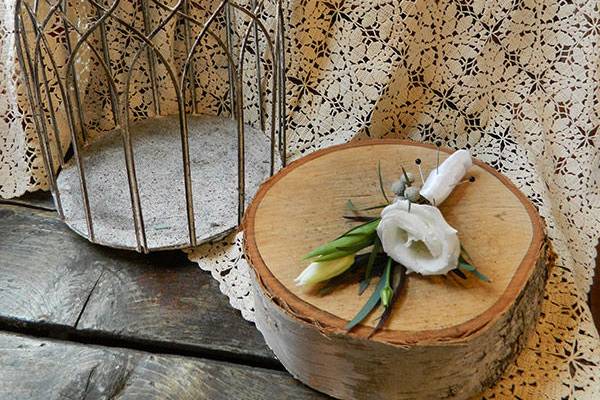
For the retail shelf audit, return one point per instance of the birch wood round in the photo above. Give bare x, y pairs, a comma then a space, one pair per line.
447, 337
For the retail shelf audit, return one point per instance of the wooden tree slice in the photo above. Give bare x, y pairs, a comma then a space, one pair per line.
446, 337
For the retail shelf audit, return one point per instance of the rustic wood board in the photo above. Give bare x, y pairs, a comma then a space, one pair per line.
47, 271
39, 199
52, 276
166, 298
33, 368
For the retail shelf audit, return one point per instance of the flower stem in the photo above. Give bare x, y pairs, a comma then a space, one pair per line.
369, 270
381, 183
406, 178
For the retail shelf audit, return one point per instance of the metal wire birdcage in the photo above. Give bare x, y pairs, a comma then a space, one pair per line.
155, 128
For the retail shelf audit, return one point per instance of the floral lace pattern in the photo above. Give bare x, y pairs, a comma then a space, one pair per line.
21, 169
516, 81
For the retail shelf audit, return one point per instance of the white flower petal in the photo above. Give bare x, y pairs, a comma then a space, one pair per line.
321, 271
421, 239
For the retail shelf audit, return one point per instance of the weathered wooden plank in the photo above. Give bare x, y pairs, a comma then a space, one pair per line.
32, 369
51, 275
164, 297
47, 272
40, 199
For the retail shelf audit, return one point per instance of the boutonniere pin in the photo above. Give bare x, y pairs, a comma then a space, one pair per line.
410, 236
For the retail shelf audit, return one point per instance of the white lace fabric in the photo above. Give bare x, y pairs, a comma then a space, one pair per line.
21, 169
517, 82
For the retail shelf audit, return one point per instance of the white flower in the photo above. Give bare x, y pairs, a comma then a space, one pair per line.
321, 271
442, 180
419, 239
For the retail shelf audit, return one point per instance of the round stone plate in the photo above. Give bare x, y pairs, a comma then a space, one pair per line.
159, 168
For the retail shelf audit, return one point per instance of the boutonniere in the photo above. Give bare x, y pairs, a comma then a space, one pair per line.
410, 236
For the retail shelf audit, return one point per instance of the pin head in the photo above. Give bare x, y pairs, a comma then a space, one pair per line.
418, 161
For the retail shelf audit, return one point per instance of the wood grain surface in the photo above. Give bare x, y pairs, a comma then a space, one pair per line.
51, 276
48, 273
33, 368
302, 207
445, 338
37, 200
165, 298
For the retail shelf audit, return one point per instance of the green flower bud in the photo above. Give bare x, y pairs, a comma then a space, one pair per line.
352, 241
321, 271
386, 296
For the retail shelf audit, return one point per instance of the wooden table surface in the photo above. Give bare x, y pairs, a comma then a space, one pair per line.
80, 321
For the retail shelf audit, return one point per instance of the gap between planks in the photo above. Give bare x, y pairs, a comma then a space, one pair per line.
76, 335
71, 334
39, 200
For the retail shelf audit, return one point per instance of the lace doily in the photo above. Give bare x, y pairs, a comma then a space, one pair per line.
515, 81
21, 168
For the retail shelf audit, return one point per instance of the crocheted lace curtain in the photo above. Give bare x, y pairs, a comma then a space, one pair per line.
517, 82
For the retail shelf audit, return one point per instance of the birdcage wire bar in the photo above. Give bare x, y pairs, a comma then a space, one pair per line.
53, 89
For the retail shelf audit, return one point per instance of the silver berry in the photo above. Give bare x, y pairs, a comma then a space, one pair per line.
398, 188
411, 178
412, 193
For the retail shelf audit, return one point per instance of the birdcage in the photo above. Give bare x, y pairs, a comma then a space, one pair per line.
158, 119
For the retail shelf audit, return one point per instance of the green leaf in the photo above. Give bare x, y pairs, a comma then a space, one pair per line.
464, 253
378, 270
358, 245
481, 276
470, 268
367, 307
381, 182
368, 241
354, 240
332, 256
458, 273
359, 218
464, 262
340, 252
352, 207
364, 284
367, 228
348, 240
466, 266
329, 248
